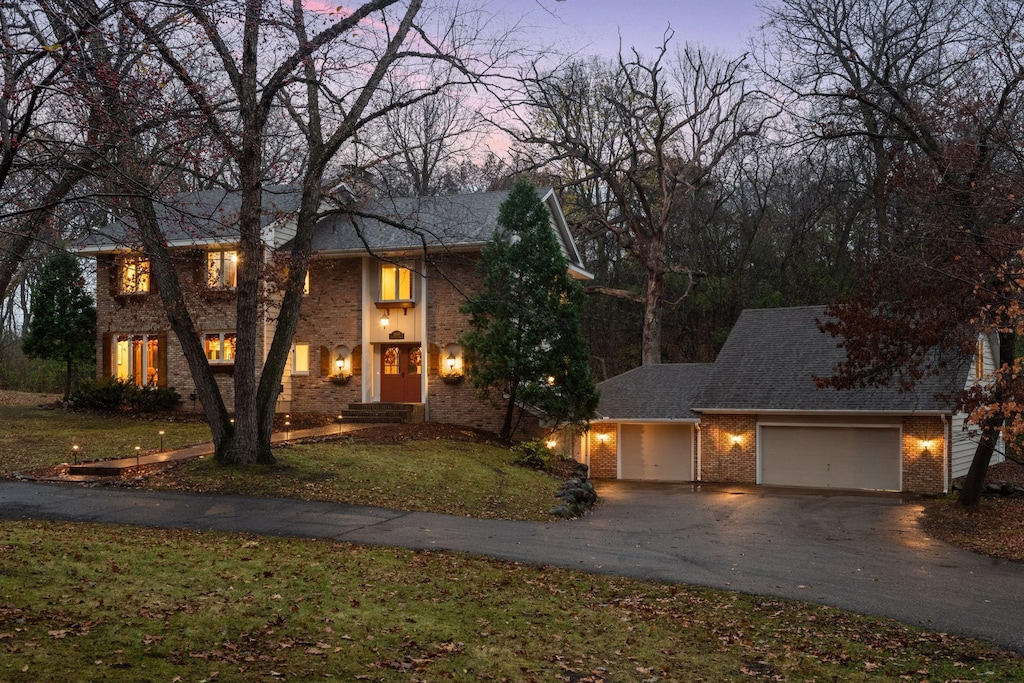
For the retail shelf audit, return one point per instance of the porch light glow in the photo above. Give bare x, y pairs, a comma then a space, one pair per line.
602, 437
736, 439
340, 364
551, 443
451, 361
384, 320
927, 444
551, 380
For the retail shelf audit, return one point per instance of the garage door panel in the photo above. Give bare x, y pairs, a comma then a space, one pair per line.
831, 457
656, 452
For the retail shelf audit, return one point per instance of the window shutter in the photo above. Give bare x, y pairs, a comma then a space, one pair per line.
161, 359
107, 369
325, 362
112, 265
433, 360
357, 360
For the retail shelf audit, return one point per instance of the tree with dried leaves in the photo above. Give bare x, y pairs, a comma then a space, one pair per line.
932, 90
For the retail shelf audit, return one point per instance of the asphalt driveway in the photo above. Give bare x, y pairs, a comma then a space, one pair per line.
861, 552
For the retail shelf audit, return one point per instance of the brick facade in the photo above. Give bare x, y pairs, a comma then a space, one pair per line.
331, 319
604, 447
144, 314
728, 448
924, 449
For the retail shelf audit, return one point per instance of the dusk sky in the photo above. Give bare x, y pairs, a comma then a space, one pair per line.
595, 25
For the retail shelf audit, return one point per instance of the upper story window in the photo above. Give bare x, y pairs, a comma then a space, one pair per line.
222, 269
220, 347
395, 283
133, 277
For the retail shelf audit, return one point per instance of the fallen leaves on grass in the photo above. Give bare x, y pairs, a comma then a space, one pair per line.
995, 527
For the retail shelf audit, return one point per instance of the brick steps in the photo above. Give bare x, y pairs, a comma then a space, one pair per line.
386, 413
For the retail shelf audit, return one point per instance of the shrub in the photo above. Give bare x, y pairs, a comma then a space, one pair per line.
534, 455
113, 395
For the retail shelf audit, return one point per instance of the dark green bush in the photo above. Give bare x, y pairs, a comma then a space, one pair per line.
534, 455
113, 395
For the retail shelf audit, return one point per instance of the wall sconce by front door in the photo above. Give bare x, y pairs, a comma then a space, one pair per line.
451, 369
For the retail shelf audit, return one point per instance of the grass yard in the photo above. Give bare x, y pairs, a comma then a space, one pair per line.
89, 602
33, 437
451, 477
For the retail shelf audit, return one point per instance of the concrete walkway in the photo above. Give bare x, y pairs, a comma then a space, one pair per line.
863, 553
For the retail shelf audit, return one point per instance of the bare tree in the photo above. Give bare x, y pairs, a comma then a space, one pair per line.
634, 139
327, 72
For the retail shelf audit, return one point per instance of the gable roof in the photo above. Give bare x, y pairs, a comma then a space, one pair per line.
770, 359
207, 217
455, 221
415, 223
653, 392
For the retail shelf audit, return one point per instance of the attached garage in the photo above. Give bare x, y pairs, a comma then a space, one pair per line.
841, 457
656, 452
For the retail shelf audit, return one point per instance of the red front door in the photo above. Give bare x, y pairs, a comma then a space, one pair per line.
401, 370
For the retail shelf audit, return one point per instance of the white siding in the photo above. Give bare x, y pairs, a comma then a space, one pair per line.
964, 442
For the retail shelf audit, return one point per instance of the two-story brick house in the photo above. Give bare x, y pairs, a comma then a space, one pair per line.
380, 321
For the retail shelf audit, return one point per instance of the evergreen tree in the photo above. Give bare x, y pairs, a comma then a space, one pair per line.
62, 320
526, 341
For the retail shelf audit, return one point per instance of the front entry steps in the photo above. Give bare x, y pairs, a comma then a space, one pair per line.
388, 413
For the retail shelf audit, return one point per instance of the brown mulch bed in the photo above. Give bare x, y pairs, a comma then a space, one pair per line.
994, 528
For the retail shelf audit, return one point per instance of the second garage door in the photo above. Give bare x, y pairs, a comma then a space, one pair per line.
656, 452
831, 457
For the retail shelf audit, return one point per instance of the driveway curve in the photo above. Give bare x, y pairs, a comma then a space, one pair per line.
860, 552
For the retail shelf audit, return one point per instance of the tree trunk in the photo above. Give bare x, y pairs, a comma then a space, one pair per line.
970, 494
651, 340
67, 380
510, 409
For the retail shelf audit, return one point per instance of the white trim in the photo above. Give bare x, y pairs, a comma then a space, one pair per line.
811, 413
618, 451
947, 453
697, 475
645, 420
424, 346
759, 478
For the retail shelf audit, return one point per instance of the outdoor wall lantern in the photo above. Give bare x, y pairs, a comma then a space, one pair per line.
927, 444
342, 366
385, 319
736, 439
451, 371
602, 437
551, 443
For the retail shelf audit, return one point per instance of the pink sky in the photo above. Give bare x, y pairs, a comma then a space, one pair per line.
721, 24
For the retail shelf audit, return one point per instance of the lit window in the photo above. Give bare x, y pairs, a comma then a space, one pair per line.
305, 284
220, 347
137, 358
222, 269
134, 275
395, 283
300, 359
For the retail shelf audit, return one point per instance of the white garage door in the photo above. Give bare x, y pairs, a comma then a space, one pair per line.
831, 457
656, 452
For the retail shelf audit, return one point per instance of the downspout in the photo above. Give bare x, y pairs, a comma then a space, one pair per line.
698, 473
946, 429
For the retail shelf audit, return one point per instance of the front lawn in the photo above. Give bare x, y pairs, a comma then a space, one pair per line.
33, 437
88, 602
468, 478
